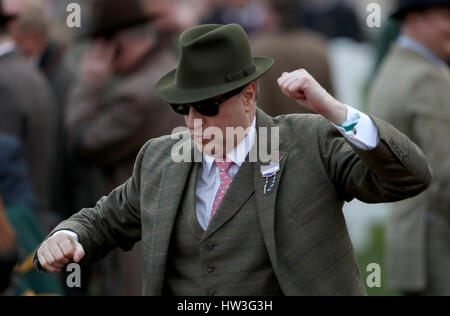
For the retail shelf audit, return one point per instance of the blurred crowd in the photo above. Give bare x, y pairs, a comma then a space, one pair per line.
77, 104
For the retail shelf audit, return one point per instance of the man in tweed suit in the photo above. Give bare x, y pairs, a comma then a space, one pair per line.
412, 92
217, 227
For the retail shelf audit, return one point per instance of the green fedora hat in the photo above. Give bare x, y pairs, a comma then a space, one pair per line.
214, 59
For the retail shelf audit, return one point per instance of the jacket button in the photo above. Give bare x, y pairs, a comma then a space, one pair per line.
211, 269
210, 247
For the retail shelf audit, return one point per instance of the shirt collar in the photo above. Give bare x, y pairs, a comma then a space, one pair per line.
238, 154
409, 43
7, 48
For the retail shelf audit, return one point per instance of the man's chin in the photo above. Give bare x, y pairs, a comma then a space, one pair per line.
208, 148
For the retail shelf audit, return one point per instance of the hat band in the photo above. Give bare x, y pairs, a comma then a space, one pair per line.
220, 80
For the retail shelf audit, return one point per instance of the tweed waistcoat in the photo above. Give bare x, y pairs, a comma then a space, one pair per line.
231, 261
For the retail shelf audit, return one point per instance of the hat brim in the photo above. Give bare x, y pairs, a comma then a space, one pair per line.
167, 90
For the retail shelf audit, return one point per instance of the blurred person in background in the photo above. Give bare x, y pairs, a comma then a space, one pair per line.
331, 18
112, 112
28, 111
31, 32
412, 91
175, 16
291, 48
250, 14
17, 217
383, 42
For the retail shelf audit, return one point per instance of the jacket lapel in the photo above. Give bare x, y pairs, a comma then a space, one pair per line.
248, 183
242, 186
173, 183
266, 202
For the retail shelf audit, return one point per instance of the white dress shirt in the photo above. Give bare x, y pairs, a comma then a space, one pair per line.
7, 48
208, 181
363, 134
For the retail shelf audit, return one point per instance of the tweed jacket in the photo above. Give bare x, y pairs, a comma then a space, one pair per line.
413, 94
301, 218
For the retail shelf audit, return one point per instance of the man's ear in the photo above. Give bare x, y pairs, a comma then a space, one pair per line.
249, 95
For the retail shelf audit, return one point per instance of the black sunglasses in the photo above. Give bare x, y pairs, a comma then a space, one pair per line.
209, 107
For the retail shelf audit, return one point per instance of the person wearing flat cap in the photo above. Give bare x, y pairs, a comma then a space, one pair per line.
412, 92
228, 220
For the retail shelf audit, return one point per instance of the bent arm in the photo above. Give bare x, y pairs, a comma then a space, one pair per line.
394, 170
114, 222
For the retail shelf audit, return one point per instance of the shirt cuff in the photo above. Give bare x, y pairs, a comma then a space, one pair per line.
68, 232
359, 129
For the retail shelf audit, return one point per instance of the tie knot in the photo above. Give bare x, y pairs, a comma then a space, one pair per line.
223, 166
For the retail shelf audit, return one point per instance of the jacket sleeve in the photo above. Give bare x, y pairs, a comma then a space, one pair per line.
114, 222
394, 170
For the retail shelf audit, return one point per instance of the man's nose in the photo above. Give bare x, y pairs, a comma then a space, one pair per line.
190, 119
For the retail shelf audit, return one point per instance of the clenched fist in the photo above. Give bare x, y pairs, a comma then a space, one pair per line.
302, 87
59, 250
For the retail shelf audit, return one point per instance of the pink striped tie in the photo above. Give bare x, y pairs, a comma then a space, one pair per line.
225, 182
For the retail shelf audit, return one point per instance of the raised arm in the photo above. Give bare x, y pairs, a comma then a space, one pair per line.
387, 169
